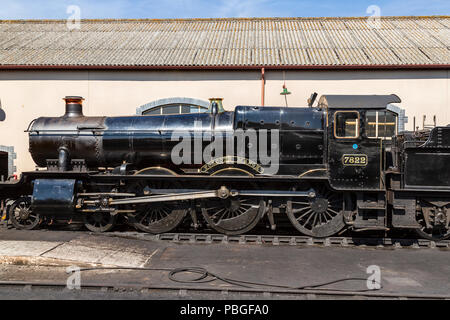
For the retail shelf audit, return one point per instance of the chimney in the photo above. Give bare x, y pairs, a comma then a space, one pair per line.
74, 107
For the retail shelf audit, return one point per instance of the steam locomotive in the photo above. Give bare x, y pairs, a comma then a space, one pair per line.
340, 165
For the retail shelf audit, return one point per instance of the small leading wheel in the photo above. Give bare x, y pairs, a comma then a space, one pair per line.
437, 227
99, 221
22, 216
321, 216
233, 215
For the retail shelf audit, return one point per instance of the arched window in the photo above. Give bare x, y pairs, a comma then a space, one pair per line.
179, 108
173, 106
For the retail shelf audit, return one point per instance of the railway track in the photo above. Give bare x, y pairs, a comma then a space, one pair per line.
276, 240
184, 236
218, 293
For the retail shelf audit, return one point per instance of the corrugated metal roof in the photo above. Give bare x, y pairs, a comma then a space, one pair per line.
397, 41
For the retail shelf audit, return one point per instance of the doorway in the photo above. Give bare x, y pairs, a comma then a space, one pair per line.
4, 172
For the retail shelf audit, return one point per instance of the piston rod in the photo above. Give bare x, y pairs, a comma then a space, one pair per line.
220, 193
167, 197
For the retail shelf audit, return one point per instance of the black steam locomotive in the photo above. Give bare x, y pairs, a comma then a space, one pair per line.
338, 166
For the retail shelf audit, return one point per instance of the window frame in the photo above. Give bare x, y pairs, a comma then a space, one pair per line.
180, 108
377, 123
358, 126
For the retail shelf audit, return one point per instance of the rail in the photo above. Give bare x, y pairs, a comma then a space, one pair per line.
276, 240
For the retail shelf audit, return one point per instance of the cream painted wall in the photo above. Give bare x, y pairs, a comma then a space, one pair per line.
26, 95
422, 92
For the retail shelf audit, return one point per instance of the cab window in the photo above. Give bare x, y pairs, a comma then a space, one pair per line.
346, 124
381, 124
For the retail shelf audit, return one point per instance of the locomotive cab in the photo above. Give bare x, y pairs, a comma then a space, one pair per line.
356, 148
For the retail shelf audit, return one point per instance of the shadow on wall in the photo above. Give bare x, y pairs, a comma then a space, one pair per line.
221, 75
2, 112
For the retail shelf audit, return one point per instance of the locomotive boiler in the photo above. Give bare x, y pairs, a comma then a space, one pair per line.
340, 165
144, 141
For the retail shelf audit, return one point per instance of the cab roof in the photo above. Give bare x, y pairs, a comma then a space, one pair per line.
357, 101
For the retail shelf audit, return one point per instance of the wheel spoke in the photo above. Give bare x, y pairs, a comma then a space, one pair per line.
242, 211
326, 213
158, 214
300, 210
309, 218
166, 211
307, 212
145, 216
223, 215
218, 212
329, 209
316, 215
320, 219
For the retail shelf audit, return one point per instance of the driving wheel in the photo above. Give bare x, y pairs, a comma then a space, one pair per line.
234, 215
156, 217
320, 216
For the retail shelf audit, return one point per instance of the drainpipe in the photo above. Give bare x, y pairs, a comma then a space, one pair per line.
263, 84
